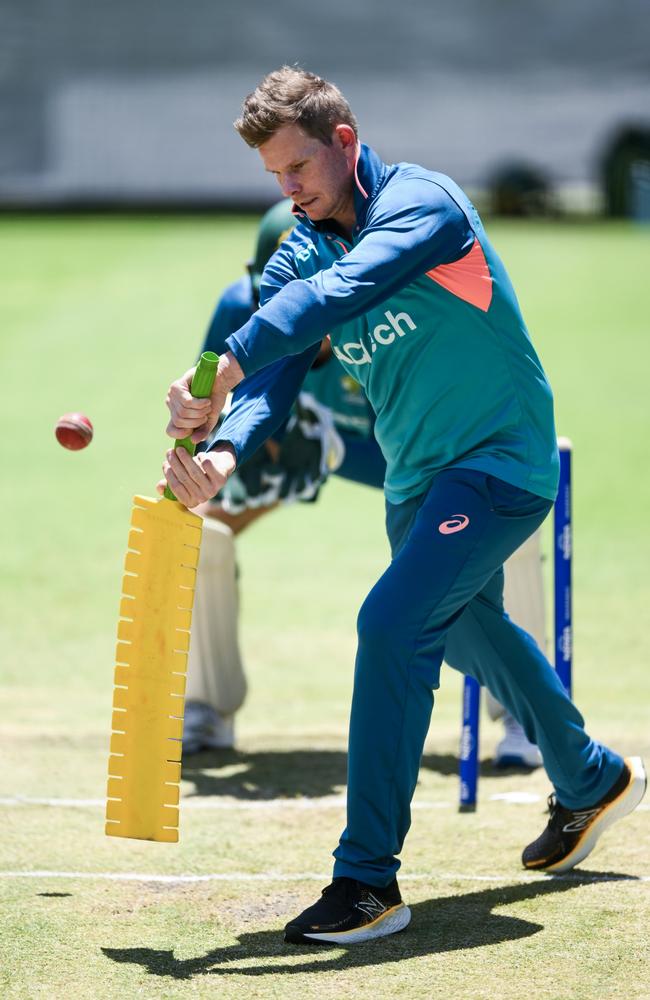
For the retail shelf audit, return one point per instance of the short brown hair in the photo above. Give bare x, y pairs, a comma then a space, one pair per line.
292, 96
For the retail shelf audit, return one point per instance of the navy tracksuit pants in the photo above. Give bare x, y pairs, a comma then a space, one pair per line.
442, 596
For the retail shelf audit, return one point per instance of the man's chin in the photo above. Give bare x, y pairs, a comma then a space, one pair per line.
313, 212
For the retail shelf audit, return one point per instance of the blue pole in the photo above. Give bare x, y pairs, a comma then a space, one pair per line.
562, 569
469, 745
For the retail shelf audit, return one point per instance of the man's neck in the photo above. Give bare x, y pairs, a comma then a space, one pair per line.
343, 221
346, 218
340, 228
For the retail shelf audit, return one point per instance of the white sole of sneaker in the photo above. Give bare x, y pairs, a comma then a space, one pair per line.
394, 920
626, 802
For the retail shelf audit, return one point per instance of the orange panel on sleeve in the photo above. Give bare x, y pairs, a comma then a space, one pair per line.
469, 278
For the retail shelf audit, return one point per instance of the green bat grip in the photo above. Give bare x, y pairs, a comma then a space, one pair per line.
201, 387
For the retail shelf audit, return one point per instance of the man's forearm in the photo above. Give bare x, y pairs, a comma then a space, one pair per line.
229, 370
262, 403
225, 447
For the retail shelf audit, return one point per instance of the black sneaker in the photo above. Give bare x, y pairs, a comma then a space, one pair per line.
348, 912
572, 834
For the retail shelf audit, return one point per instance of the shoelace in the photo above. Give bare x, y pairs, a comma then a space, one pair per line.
555, 811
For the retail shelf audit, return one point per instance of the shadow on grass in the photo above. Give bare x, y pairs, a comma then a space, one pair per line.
279, 773
448, 923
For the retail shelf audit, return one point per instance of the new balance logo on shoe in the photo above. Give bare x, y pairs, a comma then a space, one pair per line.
371, 906
580, 820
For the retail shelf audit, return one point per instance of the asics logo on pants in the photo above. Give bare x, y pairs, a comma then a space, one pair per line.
455, 523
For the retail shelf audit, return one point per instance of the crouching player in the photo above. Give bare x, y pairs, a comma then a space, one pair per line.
330, 430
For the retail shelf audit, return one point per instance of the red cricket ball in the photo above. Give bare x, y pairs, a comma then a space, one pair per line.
74, 431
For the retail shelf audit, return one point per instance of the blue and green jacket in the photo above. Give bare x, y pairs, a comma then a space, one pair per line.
421, 312
331, 386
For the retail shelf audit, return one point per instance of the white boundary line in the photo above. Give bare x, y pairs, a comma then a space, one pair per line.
273, 876
215, 802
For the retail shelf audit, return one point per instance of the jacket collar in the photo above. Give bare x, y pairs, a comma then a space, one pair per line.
369, 174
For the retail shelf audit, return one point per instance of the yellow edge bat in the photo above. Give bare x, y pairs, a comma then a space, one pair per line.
151, 659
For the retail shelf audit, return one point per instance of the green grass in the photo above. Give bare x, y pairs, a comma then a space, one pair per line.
98, 315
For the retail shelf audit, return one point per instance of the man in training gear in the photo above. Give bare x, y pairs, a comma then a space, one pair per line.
393, 262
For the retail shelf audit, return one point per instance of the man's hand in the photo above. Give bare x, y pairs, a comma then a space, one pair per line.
195, 418
195, 480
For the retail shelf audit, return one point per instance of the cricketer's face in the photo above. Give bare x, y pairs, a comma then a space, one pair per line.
319, 178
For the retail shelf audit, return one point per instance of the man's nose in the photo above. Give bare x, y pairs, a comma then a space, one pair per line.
290, 186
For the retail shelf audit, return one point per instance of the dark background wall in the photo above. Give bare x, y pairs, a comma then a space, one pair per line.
134, 99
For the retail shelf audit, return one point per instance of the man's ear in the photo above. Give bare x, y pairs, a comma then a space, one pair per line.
346, 139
